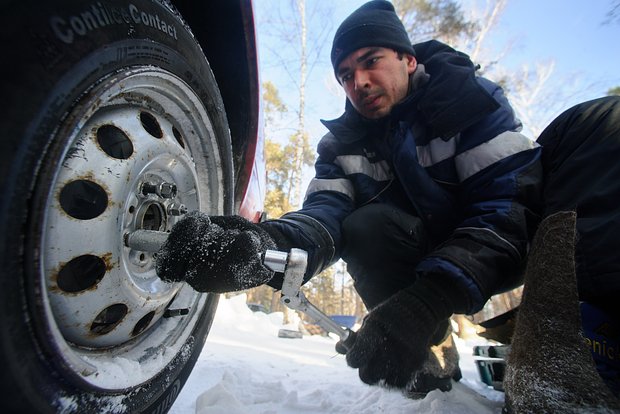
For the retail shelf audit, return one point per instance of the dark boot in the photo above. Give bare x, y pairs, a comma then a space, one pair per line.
437, 373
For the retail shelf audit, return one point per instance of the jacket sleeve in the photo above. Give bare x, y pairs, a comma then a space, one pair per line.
500, 177
316, 227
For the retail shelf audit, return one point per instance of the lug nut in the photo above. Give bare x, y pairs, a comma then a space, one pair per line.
177, 209
163, 190
167, 190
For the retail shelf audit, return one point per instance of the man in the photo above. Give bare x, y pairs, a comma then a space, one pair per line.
424, 186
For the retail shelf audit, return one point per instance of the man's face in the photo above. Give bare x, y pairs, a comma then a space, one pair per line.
375, 79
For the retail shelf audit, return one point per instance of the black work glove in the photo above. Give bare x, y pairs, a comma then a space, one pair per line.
395, 337
215, 254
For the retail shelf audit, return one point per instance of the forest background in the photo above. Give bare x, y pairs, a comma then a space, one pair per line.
548, 56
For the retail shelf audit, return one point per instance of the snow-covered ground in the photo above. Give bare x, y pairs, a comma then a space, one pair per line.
245, 368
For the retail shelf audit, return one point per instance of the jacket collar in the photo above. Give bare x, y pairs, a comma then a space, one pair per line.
351, 126
444, 92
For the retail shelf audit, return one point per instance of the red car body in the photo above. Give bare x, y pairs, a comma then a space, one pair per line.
234, 60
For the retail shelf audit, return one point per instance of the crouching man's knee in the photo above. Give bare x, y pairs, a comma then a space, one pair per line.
377, 234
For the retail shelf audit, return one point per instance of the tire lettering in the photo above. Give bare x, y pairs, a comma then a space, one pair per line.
135, 14
60, 30
101, 14
89, 19
125, 16
78, 25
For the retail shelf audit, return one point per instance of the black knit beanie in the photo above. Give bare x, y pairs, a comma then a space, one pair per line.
373, 24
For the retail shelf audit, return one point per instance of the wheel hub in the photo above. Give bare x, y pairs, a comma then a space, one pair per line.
122, 176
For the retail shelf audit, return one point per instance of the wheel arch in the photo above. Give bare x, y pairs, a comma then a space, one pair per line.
225, 31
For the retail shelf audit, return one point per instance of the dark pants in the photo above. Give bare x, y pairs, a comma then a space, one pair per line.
382, 246
581, 162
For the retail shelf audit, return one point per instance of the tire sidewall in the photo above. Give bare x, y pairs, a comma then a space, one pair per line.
47, 76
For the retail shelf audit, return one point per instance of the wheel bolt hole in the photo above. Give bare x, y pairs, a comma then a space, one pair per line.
114, 142
143, 323
142, 257
132, 209
108, 319
178, 137
151, 125
83, 199
81, 273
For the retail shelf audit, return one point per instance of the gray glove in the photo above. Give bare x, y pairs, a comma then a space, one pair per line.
215, 254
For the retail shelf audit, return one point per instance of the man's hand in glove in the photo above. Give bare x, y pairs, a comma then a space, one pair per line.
215, 254
395, 337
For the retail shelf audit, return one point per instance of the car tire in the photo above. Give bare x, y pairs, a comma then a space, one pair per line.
113, 122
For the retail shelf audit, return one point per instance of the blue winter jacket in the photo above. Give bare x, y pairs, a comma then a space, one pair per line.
452, 154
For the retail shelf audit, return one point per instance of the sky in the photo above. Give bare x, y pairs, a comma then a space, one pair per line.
250, 370
570, 32
586, 52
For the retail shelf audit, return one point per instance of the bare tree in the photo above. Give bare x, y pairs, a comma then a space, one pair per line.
528, 90
301, 135
297, 54
613, 15
438, 19
484, 20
